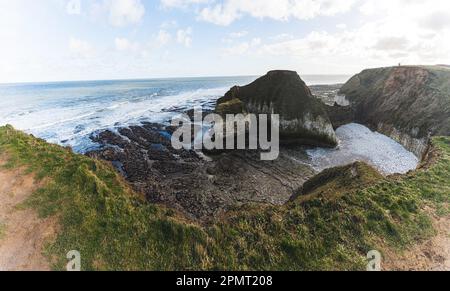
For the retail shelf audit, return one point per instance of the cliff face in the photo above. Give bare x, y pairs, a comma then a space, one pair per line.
409, 104
303, 118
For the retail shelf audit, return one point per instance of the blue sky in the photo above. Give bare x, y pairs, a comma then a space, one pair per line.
53, 40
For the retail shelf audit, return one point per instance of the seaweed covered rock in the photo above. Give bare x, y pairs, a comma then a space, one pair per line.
234, 106
303, 117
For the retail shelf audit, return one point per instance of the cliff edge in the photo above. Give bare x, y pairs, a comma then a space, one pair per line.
408, 103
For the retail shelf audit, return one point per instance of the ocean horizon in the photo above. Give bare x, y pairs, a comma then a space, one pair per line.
310, 79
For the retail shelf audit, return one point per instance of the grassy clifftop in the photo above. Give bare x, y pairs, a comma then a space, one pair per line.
114, 229
378, 95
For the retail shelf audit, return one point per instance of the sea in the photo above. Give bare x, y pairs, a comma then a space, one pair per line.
68, 113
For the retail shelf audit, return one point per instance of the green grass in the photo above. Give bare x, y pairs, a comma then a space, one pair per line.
114, 229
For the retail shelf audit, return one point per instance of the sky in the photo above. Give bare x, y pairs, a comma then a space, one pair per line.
57, 40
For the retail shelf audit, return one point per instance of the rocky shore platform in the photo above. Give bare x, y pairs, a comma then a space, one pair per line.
202, 187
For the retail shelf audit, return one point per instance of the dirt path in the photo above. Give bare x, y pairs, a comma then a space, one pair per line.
22, 233
431, 255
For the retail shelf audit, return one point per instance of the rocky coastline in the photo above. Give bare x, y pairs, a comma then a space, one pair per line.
410, 104
203, 185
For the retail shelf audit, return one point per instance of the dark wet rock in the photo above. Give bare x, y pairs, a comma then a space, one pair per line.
201, 188
110, 138
326, 93
303, 117
340, 115
148, 135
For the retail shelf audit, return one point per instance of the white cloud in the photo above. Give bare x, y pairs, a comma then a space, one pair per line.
417, 30
282, 37
169, 24
119, 13
230, 10
438, 20
406, 31
234, 36
123, 12
393, 43
315, 43
123, 44
377, 33
80, 48
181, 3
238, 34
163, 38
239, 49
219, 14
184, 36
243, 47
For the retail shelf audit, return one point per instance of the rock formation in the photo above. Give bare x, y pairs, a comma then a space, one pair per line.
409, 104
303, 118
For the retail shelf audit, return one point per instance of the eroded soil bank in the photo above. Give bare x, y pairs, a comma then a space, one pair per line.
430, 255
